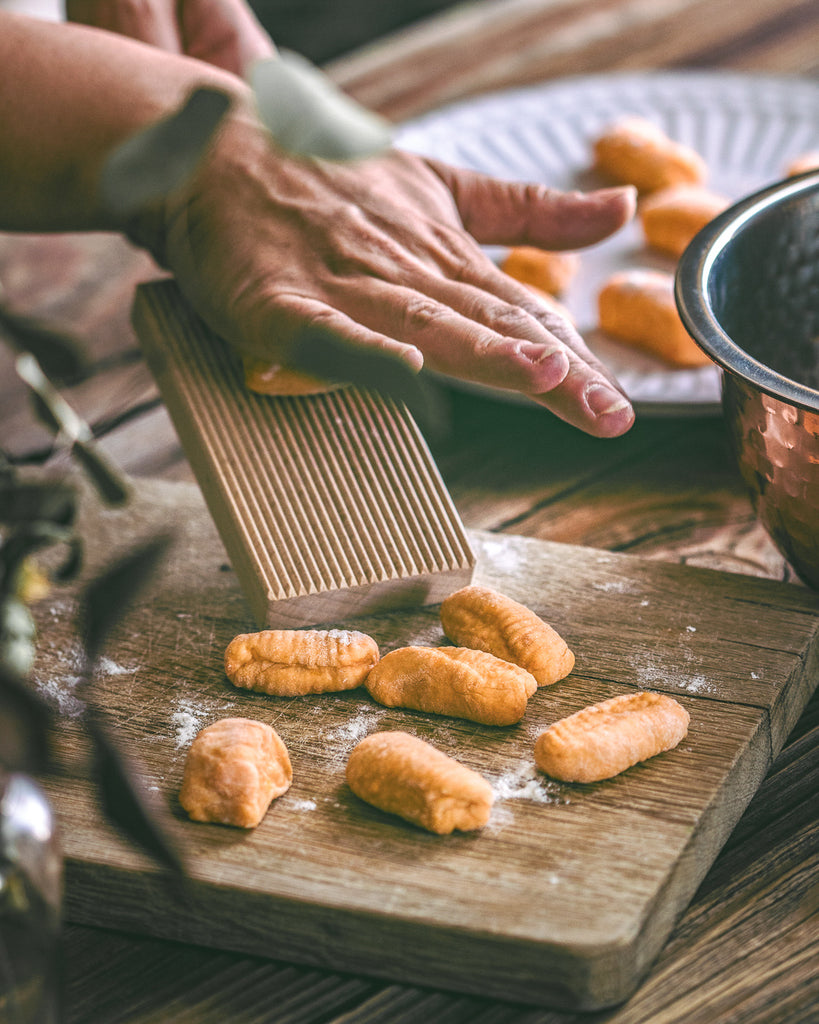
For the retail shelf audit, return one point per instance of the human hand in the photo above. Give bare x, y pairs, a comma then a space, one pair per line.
385, 253
224, 33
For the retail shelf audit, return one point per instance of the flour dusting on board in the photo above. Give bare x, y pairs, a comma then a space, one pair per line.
59, 693
345, 736
187, 721
57, 685
617, 587
303, 805
527, 783
684, 674
503, 553
107, 667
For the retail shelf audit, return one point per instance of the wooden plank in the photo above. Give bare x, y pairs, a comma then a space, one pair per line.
565, 898
326, 503
500, 44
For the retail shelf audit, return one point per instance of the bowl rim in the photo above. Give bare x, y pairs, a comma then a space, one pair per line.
696, 311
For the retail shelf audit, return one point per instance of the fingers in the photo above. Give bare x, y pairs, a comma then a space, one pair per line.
285, 317
514, 349
510, 341
512, 213
588, 396
590, 403
535, 351
485, 341
153, 22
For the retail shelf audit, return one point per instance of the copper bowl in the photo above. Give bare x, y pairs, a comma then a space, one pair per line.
748, 292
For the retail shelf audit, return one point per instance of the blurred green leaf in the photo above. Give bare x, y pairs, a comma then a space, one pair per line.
110, 483
126, 803
58, 353
24, 501
59, 417
52, 408
151, 164
24, 541
17, 632
308, 115
72, 563
25, 720
106, 598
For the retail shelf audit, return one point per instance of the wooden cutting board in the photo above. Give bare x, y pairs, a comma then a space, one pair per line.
567, 895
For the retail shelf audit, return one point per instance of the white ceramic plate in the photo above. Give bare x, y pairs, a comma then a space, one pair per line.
747, 128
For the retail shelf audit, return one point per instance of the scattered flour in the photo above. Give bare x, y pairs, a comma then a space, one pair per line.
650, 673
58, 687
59, 693
187, 721
303, 805
347, 735
616, 587
697, 684
502, 552
107, 667
526, 783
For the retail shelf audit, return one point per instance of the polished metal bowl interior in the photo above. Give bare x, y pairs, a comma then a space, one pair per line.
748, 292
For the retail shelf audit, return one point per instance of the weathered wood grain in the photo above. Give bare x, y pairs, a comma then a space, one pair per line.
499, 44
580, 885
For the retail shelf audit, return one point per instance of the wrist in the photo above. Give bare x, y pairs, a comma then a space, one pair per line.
149, 224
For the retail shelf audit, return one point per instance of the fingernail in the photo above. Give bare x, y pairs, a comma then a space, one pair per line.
604, 401
414, 358
540, 354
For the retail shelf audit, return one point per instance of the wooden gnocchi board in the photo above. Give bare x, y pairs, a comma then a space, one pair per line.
567, 895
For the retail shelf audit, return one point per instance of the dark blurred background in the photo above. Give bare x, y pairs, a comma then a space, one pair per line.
324, 29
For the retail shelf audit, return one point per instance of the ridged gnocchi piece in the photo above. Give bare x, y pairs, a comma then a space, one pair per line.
547, 270
604, 739
671, 217
481, 618
406, 776
272, 379
805, 162
452, 681
293, 662
636, 306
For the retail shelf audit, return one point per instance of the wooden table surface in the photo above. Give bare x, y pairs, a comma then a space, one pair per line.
746, 949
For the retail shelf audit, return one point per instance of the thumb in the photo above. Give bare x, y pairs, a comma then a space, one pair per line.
499, 212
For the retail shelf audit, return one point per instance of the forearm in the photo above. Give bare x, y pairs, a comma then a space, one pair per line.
68, 95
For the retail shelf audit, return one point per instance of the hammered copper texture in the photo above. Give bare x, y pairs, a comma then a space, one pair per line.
748, 288
777, 447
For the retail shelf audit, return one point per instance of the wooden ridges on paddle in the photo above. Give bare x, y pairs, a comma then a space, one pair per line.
328, 505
